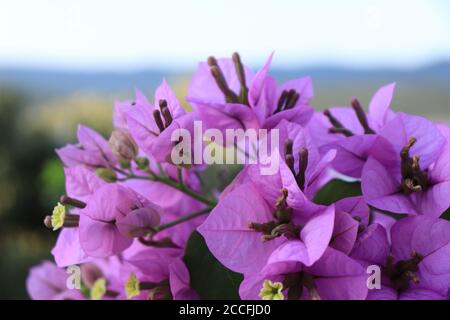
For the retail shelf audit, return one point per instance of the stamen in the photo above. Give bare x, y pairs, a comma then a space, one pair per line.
60, 218
165, 112
212, 61
161, 292
282, 101
292, 99
361, 116
410, 186
293, 282
344, 131
413, 277
72, 202
403, 271
308, 282
218, 76
264, 228
406, 163
290, 162
416, 255
133, 286
161, 243
158, 120
361, 228
421, 176
281, 201
286, 229
288, 145
243, 94
334, 121
288, 150
337, 125
413, 178
404, 153
283, 212
48, 222
303, 164
282, 226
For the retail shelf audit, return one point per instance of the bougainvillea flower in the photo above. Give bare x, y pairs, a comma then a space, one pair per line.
112, 218
152, 125
204, 86
408, 172
92, 150
238, 99
155, 273
352, 216
48, 282
245, 226
81, 183
335, 276
351, 131
174, 202
415, 264
302, 163
301, 169
290, 101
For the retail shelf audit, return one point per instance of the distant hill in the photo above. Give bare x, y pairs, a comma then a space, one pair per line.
425, 90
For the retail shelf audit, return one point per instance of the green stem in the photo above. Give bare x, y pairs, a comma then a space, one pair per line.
164, 178
174, 184
180, 220
183, 188
180, 176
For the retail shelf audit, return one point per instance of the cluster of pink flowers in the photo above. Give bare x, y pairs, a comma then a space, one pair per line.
129, 211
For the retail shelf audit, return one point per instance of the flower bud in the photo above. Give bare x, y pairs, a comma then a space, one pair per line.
123, 145
108, 175
142, 163
124, 164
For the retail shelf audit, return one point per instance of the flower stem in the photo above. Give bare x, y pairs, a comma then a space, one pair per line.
179, 185
181, 220
185, 189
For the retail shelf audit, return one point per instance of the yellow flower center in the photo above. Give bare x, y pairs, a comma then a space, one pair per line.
98, 289
58, 216
132, 286
271, 291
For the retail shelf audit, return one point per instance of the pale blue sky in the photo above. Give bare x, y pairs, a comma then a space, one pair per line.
134, 34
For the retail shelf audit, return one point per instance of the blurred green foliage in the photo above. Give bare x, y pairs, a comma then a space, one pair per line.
22, 156
32, 177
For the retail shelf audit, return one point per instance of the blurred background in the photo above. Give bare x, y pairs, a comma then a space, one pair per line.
65, 62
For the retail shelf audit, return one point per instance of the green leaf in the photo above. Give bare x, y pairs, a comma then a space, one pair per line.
446, 215
336, 190
209, 277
